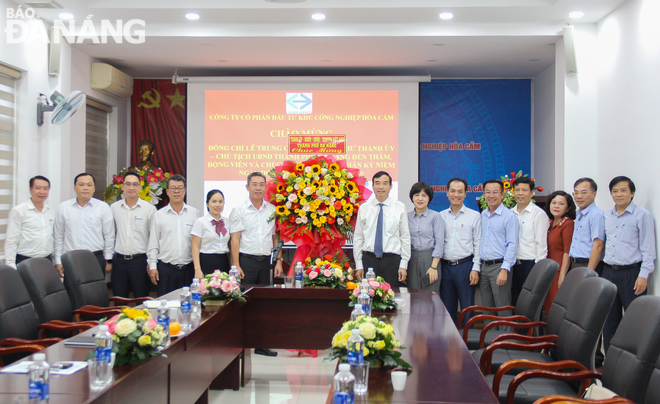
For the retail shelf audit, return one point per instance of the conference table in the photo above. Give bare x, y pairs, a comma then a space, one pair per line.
216, 354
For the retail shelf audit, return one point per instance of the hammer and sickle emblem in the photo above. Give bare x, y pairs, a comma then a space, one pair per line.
154, 103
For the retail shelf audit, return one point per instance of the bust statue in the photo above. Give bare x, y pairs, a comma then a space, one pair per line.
146, 150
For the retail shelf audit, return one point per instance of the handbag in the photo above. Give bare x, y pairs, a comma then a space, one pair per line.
597, 392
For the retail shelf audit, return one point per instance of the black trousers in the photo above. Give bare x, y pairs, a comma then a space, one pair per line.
101, 259
256, 270
625, 282
519, 273
386, 266
171, 277
20, 258
130, 275
211, 262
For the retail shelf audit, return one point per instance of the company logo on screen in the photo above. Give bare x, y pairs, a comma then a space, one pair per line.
298, 103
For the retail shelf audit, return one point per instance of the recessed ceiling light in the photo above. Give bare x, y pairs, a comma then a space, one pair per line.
192, 16
222, 61
65, 16
438, 44
576, 14
318, 16
446, 16
432, 60
326, 60
534, 60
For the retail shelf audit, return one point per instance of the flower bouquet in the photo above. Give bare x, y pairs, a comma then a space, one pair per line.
380, 343
219, 286
316, 204
380, 291
136, 336
330, 272
152, 182
509, 200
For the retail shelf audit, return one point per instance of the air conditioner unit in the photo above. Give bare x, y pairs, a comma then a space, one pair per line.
111, 81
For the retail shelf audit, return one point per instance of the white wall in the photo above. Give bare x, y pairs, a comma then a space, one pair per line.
628, 121
58, 152
544, 130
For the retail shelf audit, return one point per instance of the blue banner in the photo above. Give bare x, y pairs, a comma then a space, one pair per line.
473, 129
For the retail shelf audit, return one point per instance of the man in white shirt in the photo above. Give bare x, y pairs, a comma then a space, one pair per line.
30, 226
85, 223
532, 234
170, 247
460, 259
133, 218
382, 237
253, 234
253, 237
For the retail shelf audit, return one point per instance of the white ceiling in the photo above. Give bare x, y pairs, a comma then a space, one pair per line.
486, 38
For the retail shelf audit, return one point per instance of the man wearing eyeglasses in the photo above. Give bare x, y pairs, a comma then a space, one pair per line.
589, 233
133, 218
170, 244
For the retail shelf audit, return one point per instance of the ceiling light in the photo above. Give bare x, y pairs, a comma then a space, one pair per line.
438, 44
318, 16
446, 16
326, 60
534, 60
65, 16
432, 60
192, 16
576, 14
222, 61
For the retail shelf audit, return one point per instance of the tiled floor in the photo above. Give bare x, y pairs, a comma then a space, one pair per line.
284, 379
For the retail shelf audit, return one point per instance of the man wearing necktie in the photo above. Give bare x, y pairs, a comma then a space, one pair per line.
382, 238
133, 218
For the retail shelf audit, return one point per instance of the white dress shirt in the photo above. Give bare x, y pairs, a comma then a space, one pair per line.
462, 235
212, 243
169, 237
29, 232
133, 225
396, 234
256, 231
90, 227
532, 233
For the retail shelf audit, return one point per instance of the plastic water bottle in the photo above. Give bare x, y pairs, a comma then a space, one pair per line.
357, 312
186, 302
365, 301
344, 383
164, 321
299, 276
355, 347
103, 344
39, 373
233, 272
371, 275
196, 299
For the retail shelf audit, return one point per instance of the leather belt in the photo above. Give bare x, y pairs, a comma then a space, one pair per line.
492, 262
636, 265
520, 262
580, 260
175, 266
385, 254
131, 257
457, 262
256, 257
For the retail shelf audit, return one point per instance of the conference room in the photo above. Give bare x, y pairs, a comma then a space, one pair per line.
424, 90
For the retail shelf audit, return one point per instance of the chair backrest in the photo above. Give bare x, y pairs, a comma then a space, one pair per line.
634, 350
563, 297
83, 280
536, 286
46, 290
18, 319
653, 389
584, 321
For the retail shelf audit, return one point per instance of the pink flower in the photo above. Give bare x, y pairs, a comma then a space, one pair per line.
313, 275
112, 323
385, 286
149, 325
327, 273
374, 284
372, 292
356, 293
226, 286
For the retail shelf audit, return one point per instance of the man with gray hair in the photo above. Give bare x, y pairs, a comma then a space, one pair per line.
169, 254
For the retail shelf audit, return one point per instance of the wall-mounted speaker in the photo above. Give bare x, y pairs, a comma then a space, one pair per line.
54, 51
569, 51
